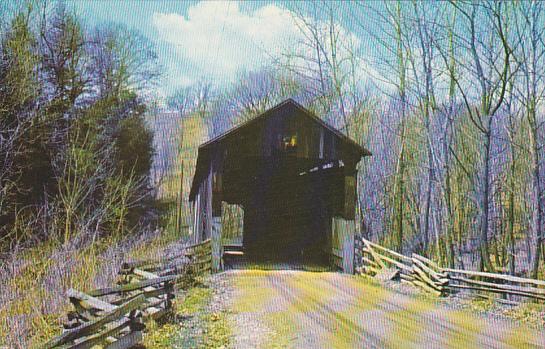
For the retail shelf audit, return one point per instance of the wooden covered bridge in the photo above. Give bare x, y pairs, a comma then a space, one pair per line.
295, 178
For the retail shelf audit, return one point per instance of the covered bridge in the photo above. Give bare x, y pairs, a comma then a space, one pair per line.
295, 178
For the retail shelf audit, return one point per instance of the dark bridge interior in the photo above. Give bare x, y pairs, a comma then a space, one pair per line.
287, 212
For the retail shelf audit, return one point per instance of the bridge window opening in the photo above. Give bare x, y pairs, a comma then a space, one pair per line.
232, 224
288, 142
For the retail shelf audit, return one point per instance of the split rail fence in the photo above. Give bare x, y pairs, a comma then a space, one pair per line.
427, 275
115, 317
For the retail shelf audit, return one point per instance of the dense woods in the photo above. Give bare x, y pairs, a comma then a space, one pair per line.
75, 152
75, 158
450, 103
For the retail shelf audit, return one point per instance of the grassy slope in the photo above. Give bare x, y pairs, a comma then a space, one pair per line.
33, 283
192, 133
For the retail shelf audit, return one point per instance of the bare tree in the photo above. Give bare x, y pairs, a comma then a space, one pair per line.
325, 62
530, 28
422, 59
485, 59
122, 59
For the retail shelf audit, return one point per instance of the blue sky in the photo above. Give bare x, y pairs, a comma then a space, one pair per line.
206, 40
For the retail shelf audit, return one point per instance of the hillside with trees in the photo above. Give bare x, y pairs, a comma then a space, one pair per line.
75, 153
75, 150
450, 106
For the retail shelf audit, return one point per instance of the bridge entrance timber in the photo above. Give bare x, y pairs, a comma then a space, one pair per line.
295, 178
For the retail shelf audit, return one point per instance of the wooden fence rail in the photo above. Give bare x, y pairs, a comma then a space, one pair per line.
427, 275
114, 317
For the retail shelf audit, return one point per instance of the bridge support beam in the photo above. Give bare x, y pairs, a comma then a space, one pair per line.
215, 242
343, 237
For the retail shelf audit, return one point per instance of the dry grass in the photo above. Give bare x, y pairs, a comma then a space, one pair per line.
33, 282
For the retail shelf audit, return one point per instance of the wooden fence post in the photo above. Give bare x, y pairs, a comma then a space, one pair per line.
145, 292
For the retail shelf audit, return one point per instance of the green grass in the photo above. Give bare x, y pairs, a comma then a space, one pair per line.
194, 302
531, 313
191, 308
160, 336
217, 331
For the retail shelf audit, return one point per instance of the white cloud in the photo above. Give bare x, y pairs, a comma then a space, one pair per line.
216, 39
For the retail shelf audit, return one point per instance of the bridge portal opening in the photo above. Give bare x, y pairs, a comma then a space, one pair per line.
288, 215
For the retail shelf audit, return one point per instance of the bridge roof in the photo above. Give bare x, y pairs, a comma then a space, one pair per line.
204, 153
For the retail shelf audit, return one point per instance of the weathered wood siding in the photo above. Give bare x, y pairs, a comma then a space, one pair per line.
343, 240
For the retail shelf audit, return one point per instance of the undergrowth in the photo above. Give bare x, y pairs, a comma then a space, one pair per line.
33, 282
192, 324
532, 313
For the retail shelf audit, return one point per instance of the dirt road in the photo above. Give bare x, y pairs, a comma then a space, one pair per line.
298, 309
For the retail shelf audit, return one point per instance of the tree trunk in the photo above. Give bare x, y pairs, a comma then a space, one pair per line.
512, 258
399, 199
427, 208
484, 249
538, 211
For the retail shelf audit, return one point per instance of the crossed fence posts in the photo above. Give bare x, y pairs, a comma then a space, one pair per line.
115, 317
427, 275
